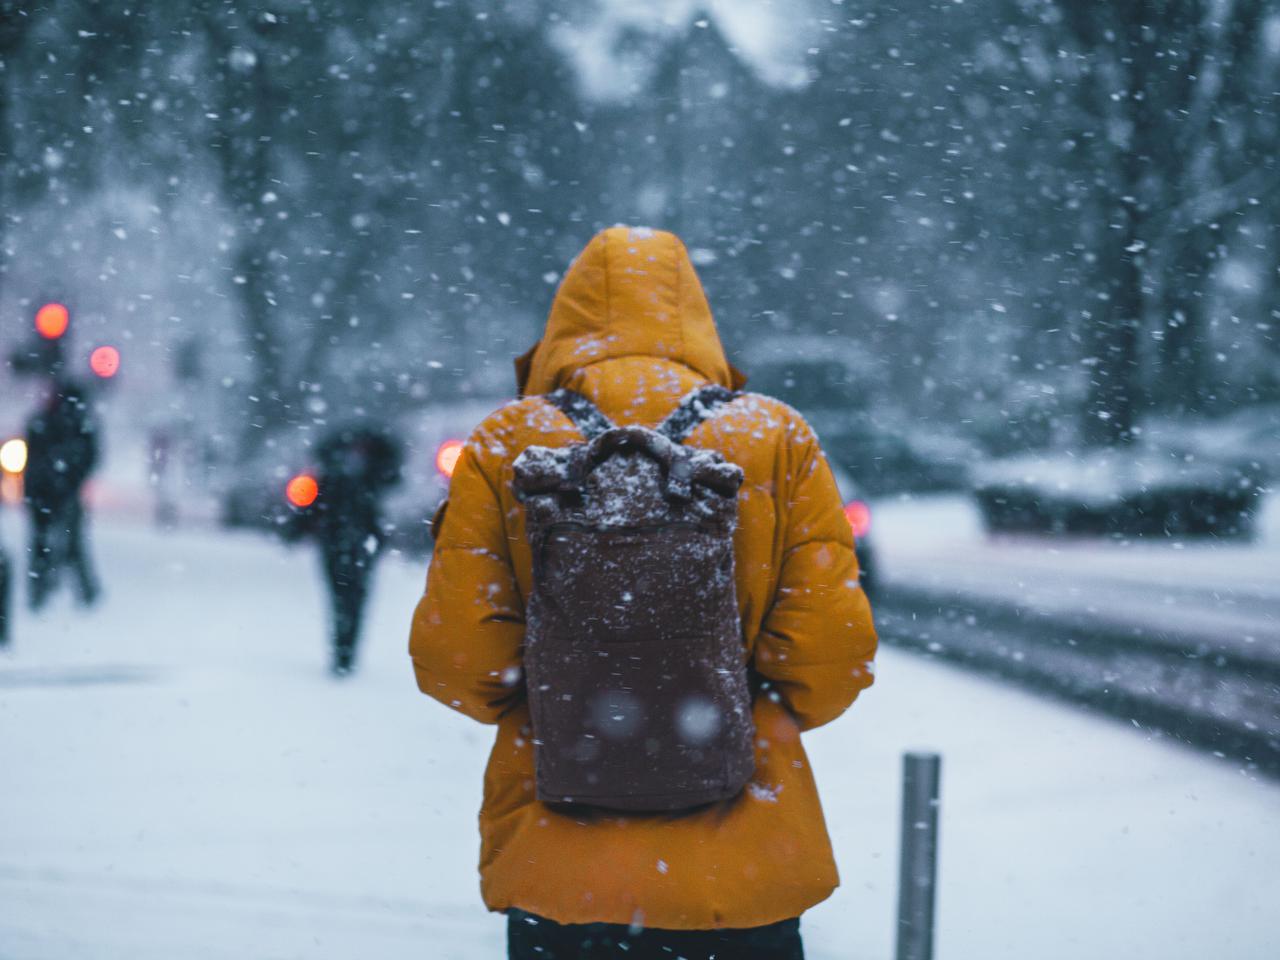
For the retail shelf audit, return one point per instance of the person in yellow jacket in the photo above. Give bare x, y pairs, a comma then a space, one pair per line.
630, 329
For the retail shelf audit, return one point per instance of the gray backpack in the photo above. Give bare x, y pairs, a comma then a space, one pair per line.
634, 660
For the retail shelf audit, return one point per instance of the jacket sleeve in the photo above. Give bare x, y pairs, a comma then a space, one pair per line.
817, 642
469, 625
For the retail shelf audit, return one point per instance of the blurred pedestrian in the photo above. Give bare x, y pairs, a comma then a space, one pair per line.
62, 451
160, 476
356, 467
5, 582
644, 577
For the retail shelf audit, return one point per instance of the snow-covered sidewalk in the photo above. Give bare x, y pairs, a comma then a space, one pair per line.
181, 778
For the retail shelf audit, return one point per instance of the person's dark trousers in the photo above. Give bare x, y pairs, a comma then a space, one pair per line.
58, 540
348, 568
41, 566
531, 937
5, 582
77, 556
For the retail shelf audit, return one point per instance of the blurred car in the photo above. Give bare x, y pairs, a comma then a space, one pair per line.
1135, 491
433, 438
255, 497
858, 512
419, 502
1248, 437
433, 443
834, 384
252, 491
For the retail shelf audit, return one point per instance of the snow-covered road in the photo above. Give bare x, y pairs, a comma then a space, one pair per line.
1224, 589
180, 778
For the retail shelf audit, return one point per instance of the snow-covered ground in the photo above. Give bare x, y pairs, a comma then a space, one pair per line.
180, 778
1193, 586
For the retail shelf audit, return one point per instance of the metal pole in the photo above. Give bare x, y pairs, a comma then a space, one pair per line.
919, 867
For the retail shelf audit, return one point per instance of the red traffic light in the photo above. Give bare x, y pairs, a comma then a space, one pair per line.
447, 455
105, 362
302, 490
52, 320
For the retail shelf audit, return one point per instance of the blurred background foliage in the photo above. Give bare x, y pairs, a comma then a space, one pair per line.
1028, 222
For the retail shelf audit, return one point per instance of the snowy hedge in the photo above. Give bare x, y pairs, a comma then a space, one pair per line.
1127, 492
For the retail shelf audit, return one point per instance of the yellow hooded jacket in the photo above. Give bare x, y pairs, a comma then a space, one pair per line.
631, 330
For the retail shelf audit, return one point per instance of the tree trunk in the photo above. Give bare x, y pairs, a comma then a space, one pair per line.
1129, 140
669, 104
1183, 334
243, 146
13, 28
268, 404
1111, 407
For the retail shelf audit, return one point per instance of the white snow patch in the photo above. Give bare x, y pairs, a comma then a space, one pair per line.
185, 780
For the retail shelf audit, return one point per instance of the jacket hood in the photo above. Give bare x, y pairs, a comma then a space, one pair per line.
631, 292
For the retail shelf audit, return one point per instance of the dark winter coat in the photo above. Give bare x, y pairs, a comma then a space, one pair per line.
62, 449
631, 330
355, 467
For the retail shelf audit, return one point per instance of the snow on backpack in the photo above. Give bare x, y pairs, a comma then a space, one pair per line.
633, 654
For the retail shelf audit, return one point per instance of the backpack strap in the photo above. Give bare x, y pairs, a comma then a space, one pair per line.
581, 412
693, 410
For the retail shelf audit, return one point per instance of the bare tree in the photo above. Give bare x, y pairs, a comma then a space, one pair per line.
245, 143
16, 18
1159, 80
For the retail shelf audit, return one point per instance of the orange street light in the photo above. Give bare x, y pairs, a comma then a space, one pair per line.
52, 320
13, 455
302, 490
